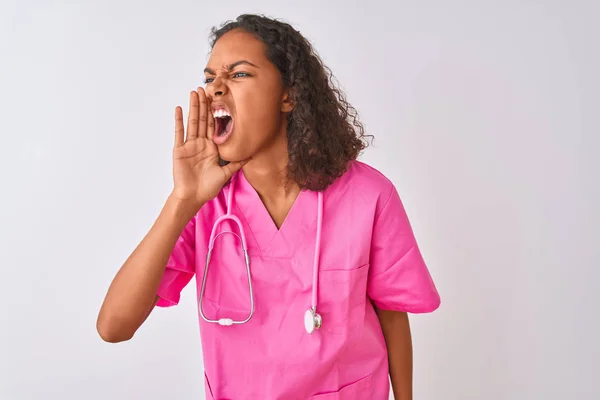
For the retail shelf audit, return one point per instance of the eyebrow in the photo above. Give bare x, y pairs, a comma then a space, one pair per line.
231, 66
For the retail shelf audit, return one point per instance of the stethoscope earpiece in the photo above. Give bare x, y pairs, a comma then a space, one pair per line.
312, 320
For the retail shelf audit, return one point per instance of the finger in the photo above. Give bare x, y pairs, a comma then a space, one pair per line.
203, 113
179, 133
210, 124
192, 124
234, 167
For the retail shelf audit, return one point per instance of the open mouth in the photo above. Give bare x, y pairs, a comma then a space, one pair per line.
223, 123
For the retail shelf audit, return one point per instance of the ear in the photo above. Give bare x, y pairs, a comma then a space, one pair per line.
288, 103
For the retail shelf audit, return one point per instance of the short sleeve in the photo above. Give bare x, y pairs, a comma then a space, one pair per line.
180, 267
399, 280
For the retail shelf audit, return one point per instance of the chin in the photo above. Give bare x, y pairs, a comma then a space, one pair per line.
232, 153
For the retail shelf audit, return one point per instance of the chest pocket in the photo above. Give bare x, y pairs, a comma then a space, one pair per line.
342, 300
359, 390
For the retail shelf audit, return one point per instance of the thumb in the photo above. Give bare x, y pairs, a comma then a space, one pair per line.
234, 167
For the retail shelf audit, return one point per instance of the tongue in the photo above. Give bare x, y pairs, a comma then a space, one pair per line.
225, 126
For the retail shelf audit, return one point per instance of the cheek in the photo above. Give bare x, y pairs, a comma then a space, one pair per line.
259, 112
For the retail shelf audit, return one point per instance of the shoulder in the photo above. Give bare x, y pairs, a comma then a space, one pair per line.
366, 175
366, 183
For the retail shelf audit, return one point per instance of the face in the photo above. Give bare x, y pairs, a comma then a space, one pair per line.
247, 97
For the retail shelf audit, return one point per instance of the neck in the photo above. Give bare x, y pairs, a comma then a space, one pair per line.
267, 172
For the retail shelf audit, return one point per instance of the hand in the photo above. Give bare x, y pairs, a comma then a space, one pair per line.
197, 175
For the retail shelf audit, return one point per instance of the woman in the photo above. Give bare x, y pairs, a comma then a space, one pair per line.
333, 264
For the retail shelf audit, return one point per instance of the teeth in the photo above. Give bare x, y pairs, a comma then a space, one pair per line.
221, 113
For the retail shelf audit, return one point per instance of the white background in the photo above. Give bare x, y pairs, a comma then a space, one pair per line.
485, 116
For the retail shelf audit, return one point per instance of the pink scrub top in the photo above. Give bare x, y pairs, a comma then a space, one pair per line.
368, 257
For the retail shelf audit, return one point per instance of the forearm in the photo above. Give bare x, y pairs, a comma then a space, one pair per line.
132, 292
396, 330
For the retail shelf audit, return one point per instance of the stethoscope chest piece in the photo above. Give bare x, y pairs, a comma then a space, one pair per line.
312, 320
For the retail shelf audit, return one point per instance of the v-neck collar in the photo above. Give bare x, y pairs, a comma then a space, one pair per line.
271, 241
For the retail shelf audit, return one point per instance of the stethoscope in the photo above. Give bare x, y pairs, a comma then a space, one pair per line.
312, 319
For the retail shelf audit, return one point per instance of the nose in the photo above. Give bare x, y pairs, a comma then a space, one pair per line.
218, 87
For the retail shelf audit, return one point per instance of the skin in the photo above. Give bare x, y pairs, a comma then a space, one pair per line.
258, 102
396, 330
239, 76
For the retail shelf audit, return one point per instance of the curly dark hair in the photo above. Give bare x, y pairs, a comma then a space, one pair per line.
324, 132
